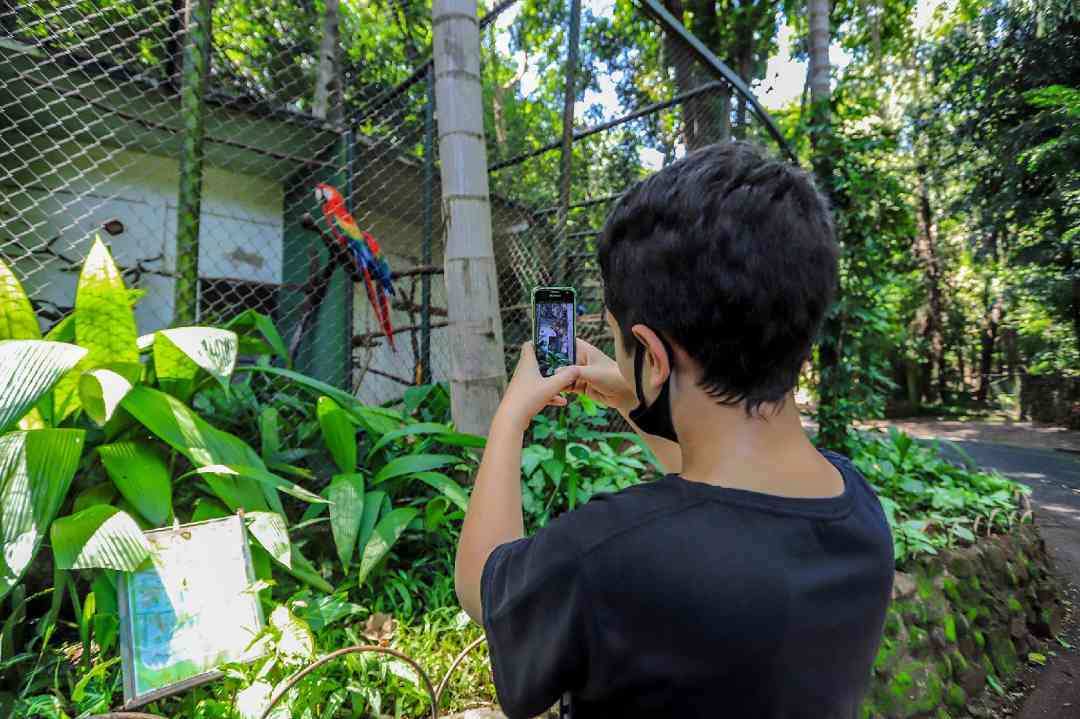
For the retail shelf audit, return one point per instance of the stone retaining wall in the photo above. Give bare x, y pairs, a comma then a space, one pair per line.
1053, 399
960, 620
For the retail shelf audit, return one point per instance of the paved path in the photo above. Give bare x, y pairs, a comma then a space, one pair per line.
1054, 477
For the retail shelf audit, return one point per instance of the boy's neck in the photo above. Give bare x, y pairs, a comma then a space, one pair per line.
769, 453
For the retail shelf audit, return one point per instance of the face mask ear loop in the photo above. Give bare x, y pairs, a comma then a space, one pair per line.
639, 360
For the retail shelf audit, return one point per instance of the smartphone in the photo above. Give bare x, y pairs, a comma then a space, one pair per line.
554, 327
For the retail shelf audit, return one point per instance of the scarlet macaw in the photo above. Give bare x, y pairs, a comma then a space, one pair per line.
365, 252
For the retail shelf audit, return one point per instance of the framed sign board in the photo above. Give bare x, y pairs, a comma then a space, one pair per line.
187, 610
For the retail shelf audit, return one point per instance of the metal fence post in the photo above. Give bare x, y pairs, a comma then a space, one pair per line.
425, 248
197, 36
351, 205
566, 159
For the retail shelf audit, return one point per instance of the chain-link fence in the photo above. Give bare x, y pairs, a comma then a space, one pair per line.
643, 93
96, 127
97, 100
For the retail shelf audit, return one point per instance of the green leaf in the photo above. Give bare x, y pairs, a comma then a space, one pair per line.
259, 474
100, 390
63, 331
376, 420
203, 444
28, 370
206, 508
106, 617
104, 323
270, 531
411, 464
373, 504
141, 474
412, 430
447, 486
346, 496
99, 536
100, 493
269, 434
36, 469
179, 352
17, 318
386, 534
338, 433
249, 320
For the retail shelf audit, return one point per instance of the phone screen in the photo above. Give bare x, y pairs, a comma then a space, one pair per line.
553, 322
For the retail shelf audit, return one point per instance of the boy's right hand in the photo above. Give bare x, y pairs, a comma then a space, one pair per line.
601, 380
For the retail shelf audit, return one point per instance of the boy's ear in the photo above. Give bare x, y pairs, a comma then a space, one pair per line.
657, 366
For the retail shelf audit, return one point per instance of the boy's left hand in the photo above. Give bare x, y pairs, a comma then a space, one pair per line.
529, 391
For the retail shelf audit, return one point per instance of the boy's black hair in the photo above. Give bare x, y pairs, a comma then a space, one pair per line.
730, 254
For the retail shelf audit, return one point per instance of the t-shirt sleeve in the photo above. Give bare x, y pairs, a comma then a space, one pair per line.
533, 601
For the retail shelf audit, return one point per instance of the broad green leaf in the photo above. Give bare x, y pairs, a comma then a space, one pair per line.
252, 700
17, 318
206, 508
376, 420
98, 536
373, 503
338, 433
412, 430
100, 390
270, 531
100, 493
141, 474
249, 320
386, 534
104, 323
63, 331
295, 639
107, 617
36, 469
29, 369
447, 486
203, 444
179, 352
269, 434
259, 474
411, 464
346, 496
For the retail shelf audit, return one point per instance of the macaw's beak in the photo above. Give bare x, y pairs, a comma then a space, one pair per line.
319, 194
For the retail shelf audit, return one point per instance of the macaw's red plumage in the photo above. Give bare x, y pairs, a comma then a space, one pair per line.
364, 252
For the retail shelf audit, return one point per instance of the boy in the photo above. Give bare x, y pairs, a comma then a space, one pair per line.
753, 580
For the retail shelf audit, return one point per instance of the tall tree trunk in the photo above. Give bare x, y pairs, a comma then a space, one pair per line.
327, 103
832, 419
932, 266
1076, 309
197, 34
988, 339
961, 369
477, 364
706, 117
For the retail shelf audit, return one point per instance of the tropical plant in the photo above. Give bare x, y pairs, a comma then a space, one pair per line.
575, 456
931, 502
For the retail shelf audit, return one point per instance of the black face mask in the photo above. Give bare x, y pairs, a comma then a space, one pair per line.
656, 417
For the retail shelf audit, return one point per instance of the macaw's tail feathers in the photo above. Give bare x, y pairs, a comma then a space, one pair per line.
381, 307
384, 317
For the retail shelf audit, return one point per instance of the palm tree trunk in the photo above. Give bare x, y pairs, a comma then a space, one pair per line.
477, 367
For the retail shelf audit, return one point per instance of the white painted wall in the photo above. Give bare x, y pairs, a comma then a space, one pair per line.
68, 190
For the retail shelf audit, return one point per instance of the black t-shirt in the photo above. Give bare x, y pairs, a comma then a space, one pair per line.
681, 599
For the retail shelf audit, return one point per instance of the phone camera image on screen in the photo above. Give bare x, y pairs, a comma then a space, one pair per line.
554, 322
